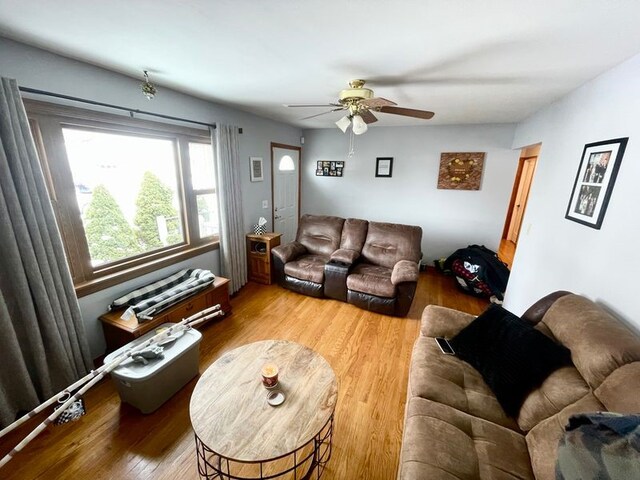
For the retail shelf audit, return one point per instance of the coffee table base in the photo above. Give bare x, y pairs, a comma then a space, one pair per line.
315, 453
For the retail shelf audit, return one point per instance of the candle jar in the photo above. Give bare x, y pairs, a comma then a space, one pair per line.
270, 375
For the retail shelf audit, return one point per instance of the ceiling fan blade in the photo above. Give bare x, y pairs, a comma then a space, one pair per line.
377, 102
407, 112
305, 105
367, 116
323, 113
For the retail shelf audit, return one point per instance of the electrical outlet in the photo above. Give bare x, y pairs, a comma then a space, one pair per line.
265, 203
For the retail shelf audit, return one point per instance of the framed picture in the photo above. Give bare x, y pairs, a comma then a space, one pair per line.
460, 170
594, 182
257, 175
384, 167
326, 168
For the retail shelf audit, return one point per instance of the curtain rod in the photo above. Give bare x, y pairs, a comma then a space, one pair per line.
117, 107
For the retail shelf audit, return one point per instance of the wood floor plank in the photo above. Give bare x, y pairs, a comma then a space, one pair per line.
369, 353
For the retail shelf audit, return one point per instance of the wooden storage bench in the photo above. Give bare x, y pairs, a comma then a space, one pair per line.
118, 332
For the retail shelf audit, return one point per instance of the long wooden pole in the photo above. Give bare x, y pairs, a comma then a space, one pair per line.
95, 376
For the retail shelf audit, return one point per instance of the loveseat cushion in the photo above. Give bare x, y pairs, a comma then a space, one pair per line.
307, 267
388, 243
620, 391
581, 325
511, 355
354, 233
320, 234
372, 280
563, 387
444, 322
442, 443
448, 380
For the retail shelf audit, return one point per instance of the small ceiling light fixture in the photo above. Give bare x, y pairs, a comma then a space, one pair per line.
148, 89
359, 127
344, 123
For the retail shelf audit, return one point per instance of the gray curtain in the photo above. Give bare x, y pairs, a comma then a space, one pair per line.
233, 256
43, 347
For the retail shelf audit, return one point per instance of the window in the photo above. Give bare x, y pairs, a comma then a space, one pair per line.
130, 195
204, 188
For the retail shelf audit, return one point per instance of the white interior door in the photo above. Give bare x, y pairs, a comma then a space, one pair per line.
285, 165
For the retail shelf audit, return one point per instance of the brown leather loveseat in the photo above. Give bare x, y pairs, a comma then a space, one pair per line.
372, 265
455, 427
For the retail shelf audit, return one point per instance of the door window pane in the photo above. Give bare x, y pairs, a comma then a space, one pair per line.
286, 164
127, 190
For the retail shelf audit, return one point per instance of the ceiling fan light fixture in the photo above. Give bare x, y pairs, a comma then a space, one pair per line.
343, 123
359, 126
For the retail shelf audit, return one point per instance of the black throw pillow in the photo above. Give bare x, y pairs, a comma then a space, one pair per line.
513, 357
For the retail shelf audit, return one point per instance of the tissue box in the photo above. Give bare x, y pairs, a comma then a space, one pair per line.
259, 229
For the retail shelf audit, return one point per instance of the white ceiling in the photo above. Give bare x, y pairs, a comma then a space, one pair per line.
470, 61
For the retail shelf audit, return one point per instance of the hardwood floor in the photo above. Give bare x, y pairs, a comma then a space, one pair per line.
507, 251
368, 352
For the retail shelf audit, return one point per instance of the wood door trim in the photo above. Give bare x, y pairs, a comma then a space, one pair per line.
286, 147
514, 194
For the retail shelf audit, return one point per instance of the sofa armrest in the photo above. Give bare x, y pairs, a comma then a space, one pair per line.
443, 322
335, 280
536, 311
405, 271
290, 251
345, 256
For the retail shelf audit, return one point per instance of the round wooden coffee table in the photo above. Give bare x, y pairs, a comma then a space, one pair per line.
240, 436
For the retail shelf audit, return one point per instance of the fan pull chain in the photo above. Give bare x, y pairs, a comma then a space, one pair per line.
352, 140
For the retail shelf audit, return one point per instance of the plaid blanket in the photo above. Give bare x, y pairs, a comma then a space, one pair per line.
151, 299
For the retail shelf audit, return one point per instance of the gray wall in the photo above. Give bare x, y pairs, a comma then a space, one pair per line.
555, 253
36, 68
450, 219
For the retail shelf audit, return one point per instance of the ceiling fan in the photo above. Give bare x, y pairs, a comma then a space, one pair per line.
360, 104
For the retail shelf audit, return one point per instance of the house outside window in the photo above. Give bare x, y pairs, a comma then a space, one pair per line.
130, 195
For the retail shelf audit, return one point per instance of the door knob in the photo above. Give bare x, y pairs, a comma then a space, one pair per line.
277, 217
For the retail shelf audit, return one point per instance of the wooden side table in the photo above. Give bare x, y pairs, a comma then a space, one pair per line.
240, 436
259, 256
118, 332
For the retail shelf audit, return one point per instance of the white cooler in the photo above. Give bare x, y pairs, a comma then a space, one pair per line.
146, 387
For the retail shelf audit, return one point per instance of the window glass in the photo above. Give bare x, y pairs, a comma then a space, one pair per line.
126, 187
207, 214
203, 183
286, 164
202, 173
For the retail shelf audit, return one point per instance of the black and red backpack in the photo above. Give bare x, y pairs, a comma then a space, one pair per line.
479, 271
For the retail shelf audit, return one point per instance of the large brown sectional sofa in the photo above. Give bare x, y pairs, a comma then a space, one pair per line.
372, 265
456, 429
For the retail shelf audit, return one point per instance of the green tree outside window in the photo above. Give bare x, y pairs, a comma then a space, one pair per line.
109, 235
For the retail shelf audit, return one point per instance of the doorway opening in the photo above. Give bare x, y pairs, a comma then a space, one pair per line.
518, 203
285, 190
